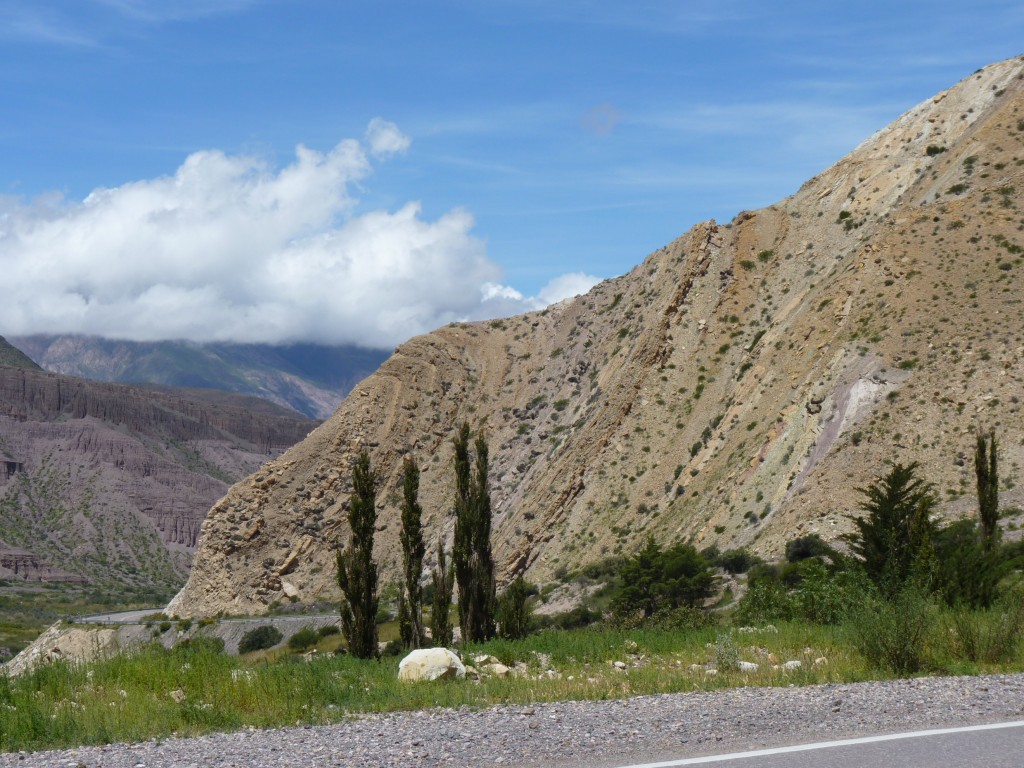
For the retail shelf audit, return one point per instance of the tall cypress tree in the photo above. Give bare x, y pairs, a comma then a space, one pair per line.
413, 550
357, 573
987, 472
474, 565
444, 582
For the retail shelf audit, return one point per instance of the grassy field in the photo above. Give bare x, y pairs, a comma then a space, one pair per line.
153, 693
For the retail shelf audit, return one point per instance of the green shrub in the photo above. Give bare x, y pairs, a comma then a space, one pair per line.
989, 637
966, 573
765, 600
303, 640
682, 617
727, 653
829, 596
394, 648
259, 639
513, 613
202, 645
656, 579
894, 634
810, 589
811, 545
578, 617
328, 630
737, 560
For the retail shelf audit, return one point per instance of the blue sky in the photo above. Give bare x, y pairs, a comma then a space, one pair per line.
463, 158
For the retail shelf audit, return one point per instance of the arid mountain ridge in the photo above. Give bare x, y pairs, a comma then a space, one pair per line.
309, 378
108, 484
736, 388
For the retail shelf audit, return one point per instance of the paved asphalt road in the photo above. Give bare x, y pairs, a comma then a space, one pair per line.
1000, 745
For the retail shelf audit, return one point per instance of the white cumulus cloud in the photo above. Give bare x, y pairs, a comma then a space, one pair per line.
229, 248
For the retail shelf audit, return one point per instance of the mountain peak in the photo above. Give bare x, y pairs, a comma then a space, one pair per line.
12, 357
735, 388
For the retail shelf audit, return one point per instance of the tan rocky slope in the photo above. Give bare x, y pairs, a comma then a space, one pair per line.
735, 387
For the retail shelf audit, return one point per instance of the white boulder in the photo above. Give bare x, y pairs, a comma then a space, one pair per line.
430, 664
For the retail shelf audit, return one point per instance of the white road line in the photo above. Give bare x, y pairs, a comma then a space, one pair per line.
825, 745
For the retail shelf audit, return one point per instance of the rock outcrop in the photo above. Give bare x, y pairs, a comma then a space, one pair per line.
428, 664
735, 388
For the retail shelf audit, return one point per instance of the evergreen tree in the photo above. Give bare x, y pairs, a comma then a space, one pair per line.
357, 573
405, 631
474, 566
986, 469
513, 611
655, 579
443, 584
967, 573
413, 549
894, 540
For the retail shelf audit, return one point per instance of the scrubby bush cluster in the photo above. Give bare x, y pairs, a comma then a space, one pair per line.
259, 639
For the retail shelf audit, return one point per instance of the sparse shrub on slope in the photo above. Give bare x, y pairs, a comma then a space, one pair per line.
811, 545
731, 560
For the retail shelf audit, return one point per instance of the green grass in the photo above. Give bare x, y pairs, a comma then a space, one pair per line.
28, 608
153, 692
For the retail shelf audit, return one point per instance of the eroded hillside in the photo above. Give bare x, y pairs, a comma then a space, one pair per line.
108, 484
735, 387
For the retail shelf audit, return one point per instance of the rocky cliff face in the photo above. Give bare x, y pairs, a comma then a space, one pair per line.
109, 483
734, 388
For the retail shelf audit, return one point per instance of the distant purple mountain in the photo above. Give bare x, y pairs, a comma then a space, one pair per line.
309, 378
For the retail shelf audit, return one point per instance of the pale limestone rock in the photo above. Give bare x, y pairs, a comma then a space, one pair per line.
430, 664
495, 669
289, 589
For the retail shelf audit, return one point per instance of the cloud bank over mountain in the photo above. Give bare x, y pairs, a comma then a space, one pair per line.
231, 248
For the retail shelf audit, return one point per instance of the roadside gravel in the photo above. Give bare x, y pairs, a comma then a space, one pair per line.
602, 733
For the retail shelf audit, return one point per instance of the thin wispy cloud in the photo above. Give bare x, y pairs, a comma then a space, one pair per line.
32, 24
156, 12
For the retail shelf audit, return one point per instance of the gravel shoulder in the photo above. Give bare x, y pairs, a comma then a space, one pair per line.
606, 733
